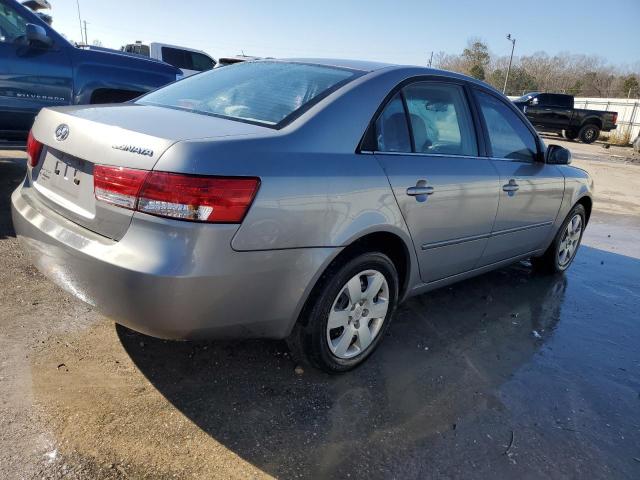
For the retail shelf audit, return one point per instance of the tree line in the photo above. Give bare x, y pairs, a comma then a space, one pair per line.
579, 75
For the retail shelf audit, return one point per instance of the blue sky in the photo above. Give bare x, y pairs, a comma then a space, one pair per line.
393, 31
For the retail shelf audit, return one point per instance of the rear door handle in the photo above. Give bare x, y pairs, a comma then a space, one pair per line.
421, 191
511, 187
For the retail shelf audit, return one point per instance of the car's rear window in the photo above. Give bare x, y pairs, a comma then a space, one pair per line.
263, 92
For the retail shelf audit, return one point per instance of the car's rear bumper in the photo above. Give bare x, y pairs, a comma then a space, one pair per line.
168, 278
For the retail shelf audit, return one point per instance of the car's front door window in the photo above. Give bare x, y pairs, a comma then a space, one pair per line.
440, 119
509, 136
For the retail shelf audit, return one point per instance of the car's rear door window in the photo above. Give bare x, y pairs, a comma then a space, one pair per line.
509, 137
440, 119
391, 129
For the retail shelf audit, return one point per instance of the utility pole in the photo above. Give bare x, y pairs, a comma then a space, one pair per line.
513, 46
431, 59
86, 38
80, 20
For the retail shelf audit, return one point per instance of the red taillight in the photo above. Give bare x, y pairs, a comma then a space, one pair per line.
34, 149
615, 117
117, 185
185, 197
191, 197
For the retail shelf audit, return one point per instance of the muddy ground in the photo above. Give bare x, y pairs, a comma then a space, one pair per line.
508, 375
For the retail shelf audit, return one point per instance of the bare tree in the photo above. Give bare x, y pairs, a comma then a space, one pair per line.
584, 75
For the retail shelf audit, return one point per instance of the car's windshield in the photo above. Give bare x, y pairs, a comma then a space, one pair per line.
260, 92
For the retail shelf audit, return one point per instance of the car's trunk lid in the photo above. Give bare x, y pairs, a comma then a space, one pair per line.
130, 136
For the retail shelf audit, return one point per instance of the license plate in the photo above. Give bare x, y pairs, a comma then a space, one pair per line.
67, 181
64, 174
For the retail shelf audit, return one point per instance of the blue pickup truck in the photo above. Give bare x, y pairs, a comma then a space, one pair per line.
40, 68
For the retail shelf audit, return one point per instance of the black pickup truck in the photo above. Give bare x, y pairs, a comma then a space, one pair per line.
554, 112
40, 68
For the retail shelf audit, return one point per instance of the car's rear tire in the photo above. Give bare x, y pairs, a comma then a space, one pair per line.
348, 313
570, 134
560, 254
589, 133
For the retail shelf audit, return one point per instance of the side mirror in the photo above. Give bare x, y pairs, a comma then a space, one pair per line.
557, 155
36, 35
534, 101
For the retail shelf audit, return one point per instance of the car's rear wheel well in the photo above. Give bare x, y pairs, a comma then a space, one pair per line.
387, 243
110, 95
587, 203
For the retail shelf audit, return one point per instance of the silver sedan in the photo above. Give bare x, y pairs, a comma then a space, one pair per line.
299, 199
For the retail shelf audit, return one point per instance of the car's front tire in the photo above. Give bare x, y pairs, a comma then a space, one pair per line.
560, 254
348, 314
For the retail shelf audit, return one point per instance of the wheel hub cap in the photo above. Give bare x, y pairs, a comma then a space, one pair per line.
570, 241
357, 314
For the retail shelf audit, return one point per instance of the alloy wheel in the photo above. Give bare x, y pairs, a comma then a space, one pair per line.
589, 134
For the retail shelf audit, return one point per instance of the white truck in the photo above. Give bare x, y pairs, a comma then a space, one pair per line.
188, 60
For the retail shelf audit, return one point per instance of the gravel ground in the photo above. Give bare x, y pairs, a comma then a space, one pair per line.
508, 375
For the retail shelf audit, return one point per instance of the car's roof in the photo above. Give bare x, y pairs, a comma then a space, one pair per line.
369, 66
362, 65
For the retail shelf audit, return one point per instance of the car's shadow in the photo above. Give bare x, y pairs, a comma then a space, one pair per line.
11, 173
448, 359
444, 356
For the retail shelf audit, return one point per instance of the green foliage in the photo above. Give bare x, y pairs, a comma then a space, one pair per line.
631, 86
477, 53
576, 89
520, 81
476, 71
475, 58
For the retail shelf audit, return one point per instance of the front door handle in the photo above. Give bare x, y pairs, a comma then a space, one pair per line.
416, 191
511, 187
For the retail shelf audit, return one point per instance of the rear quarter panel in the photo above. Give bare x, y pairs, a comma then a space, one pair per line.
306, 199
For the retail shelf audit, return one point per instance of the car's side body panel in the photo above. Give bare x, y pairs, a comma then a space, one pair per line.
526, 216
464, 188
